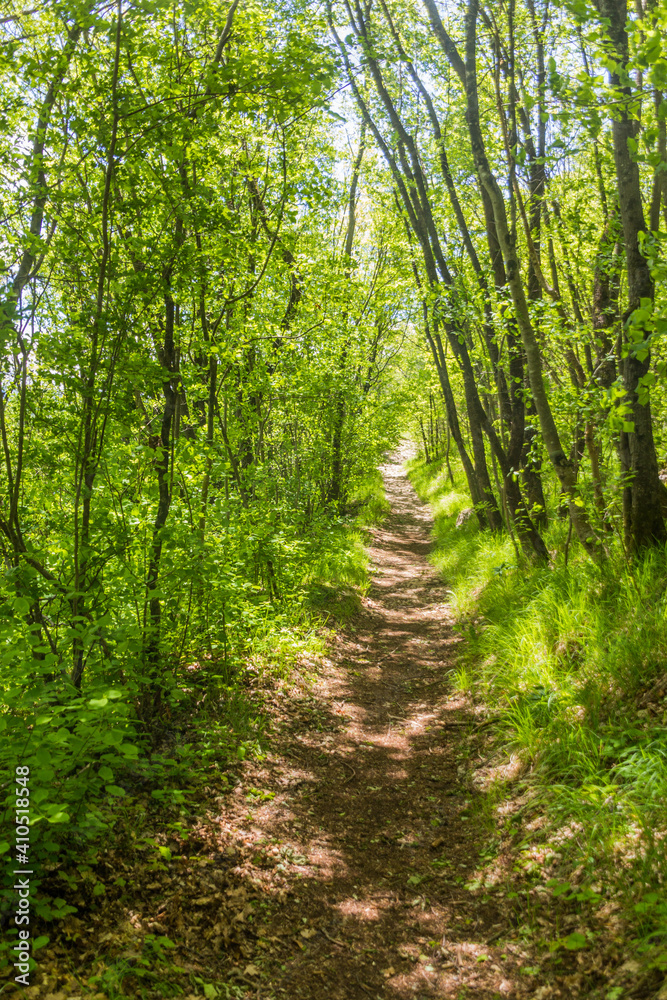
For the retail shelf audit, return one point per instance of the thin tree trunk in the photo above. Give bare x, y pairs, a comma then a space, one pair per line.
90, 436
425, 442
438, 355
151, 698
563, 467
647, 525
335, 491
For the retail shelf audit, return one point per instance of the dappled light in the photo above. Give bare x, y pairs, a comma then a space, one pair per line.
360, 795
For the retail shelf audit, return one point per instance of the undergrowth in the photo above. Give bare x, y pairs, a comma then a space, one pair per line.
96, 770
572, 661
339, 576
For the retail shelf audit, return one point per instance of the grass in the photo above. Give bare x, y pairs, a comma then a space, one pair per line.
571, 658
339, 577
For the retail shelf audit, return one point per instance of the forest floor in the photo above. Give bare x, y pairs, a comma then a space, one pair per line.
380, 804
359, 835
369, 795
353, 859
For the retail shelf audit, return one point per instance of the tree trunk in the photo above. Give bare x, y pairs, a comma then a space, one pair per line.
453, 419
647, 525
563, 467
425, 442
335, 491
152, 693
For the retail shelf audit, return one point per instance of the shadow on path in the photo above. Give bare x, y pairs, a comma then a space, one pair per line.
361, 857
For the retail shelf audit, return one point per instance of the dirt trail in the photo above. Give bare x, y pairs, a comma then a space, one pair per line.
361, 857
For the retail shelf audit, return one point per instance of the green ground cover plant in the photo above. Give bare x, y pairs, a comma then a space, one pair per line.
571, 661
92, 760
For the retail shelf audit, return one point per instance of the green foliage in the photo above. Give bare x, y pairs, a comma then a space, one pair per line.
212, 322
572, 658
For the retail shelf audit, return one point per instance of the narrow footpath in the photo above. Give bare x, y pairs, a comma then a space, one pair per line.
358, 834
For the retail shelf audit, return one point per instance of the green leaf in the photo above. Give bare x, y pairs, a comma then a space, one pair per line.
558, 888
59, 817
40, 942
115, 790
21, 606
574, 941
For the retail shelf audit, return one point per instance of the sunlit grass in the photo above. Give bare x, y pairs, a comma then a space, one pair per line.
339, 577
567, 657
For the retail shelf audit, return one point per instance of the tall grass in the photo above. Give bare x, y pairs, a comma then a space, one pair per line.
571, 659
338, 576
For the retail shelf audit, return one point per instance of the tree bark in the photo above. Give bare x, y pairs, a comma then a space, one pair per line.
563, 467
335, 491
151, 697
647, 525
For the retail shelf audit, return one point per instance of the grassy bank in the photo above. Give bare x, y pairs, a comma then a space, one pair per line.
572, 662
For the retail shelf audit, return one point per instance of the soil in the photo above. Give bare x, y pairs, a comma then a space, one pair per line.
372, 825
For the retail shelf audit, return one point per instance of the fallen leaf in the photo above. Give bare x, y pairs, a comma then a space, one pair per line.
251, 970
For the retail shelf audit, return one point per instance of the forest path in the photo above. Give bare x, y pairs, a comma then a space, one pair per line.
362, 855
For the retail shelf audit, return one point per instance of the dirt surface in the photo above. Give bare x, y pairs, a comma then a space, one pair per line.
368, 845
